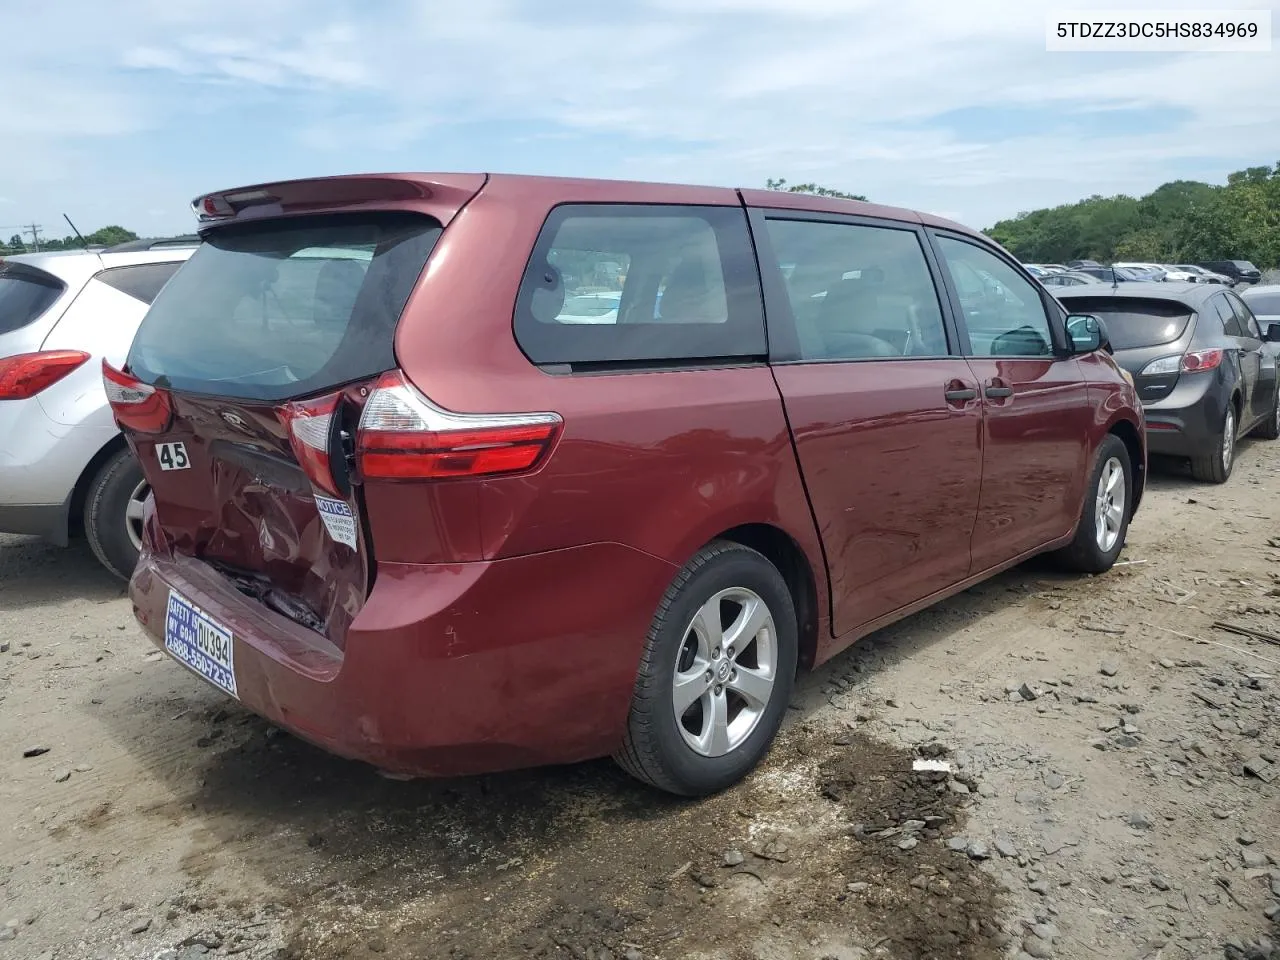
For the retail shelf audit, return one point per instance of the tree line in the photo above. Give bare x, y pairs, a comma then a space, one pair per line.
1185, 221
103, 237
1180, 222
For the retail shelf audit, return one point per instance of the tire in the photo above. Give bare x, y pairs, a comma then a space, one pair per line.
1269, 429
1095, 549
1216, 467
693, 755
112, 515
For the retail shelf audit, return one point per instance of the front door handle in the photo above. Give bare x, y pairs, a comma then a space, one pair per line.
960, 396
993, 392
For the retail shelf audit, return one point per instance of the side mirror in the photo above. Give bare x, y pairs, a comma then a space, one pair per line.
1088, 333
1272, 334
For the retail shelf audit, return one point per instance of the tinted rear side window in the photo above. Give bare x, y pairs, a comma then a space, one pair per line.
141, 281
858, 291
1135, 323
621, 284
25, 293
277, 310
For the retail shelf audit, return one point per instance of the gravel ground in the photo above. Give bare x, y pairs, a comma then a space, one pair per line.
1115, 790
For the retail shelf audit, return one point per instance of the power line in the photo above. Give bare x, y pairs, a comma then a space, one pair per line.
31, 228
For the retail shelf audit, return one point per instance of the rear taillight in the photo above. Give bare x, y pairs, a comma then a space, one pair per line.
1195, 362
404, 436
26, 374
310, 425
1200, 360
136, 405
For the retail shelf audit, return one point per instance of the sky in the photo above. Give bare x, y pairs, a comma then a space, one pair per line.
122, 112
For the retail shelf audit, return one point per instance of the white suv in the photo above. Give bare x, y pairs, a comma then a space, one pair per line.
63, 463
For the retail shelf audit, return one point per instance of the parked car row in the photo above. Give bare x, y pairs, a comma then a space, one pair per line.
1204, 364
1225, 272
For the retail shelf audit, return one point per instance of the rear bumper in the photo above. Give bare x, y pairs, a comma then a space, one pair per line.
1187, 422
448, 669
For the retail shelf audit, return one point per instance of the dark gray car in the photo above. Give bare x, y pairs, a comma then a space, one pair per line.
1199, 362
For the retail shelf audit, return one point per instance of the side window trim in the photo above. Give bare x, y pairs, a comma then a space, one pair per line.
1244, 315
780, 321
1055, 318
1231, 325
1219, 304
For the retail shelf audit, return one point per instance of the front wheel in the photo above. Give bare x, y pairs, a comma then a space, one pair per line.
1104, 519
1215, 466
716, 674
113, 513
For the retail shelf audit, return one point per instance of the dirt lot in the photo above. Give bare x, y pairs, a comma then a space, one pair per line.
1100, 807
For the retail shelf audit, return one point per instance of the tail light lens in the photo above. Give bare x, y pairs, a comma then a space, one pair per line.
404, 436
1162, 367
1201, 360
137, 406
1193, 362
25, 375
310, 425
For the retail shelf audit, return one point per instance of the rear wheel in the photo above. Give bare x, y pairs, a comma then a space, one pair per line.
1215, 466
716, 674
1104, 519
1269, 429
113, 513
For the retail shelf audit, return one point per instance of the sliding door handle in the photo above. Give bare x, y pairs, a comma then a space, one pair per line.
997, 393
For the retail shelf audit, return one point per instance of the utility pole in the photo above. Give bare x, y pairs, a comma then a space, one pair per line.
34, 229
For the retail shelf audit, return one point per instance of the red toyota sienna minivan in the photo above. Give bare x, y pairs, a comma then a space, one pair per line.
459, 473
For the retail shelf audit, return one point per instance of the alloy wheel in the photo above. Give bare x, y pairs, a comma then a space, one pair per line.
1111, 503
1228, 440
725, 671
133, 513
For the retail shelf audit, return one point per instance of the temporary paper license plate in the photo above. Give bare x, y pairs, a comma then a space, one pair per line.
200, 642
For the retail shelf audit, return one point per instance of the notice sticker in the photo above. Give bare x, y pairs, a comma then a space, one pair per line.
338, 520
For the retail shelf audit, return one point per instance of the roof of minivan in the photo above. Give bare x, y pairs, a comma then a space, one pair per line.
594, 190
77, 266
1191, 294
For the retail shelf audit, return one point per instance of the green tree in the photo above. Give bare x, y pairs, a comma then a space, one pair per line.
109, 236
1178, 222
15, 242
812, 188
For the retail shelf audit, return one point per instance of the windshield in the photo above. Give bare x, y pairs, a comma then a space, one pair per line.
1135, 323
25, 293
283, 309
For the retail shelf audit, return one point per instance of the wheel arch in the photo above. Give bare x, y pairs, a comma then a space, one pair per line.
1128, 434
782, 550
80, 492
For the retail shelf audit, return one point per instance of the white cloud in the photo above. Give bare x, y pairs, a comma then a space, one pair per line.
723, 91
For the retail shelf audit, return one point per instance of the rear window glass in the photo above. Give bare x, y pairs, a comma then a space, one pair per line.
610, 283
25, 293
1264, 304
1135, 323
277, 310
